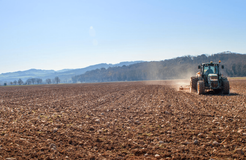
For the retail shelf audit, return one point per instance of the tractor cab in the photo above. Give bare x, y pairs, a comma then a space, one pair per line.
210, 69
210, 73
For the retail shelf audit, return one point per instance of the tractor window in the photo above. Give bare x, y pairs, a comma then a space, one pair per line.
216, 69
210, 69
205, 69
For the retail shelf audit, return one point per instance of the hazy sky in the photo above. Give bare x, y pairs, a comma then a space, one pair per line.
58, 34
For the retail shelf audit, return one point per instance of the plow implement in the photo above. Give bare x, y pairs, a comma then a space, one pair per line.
184, 88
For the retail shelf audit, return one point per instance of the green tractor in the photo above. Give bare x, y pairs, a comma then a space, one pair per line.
209, 78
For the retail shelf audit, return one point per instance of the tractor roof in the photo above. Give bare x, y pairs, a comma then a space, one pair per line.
209, 63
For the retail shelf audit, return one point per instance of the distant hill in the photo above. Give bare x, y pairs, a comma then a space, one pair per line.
177, 68
65, 74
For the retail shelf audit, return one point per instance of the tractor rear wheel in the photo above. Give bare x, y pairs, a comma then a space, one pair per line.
193, 84
226, 87
200, 87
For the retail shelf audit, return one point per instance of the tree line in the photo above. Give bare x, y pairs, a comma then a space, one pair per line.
33, 81
177, 68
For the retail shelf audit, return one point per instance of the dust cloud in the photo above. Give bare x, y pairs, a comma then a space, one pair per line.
176, 80
175, 83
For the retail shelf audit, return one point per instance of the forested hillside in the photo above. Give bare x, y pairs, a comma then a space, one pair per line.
64, 74
181, 67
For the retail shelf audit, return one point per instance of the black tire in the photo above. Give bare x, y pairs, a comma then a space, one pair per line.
226, 87
193, 84
200, 87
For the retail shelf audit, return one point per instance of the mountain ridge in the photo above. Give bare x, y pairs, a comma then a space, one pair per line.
64, 74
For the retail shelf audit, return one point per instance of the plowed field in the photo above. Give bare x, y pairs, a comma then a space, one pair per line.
128, 120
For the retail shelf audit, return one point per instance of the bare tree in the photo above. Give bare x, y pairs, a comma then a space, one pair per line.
20, 82
33, 80
48, 81
57, 80
11, 83
15, 82
39, 81
28, 82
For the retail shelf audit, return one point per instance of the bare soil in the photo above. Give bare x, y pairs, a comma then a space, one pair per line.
128, 120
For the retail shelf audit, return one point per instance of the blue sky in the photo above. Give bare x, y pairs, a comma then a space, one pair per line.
59, 34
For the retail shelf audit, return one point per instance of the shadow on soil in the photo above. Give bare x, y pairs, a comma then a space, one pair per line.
213, 93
